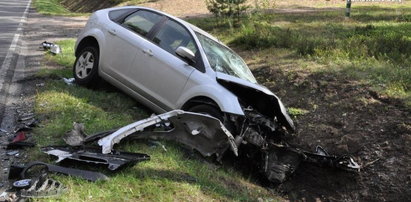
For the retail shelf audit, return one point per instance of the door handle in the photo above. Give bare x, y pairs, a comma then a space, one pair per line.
112, 32
148, 52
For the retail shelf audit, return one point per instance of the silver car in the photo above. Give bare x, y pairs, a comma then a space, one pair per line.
167, 63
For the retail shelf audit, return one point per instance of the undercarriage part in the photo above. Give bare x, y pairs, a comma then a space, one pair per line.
321, 157
279, 164
114, 160
88, 175
201, 132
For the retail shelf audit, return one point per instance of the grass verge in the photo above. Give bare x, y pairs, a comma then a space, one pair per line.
78, 7
53, 7
170, 176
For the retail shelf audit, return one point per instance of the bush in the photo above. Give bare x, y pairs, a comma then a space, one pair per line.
227, 8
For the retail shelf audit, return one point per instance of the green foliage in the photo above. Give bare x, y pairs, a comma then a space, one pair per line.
227, 8
295, 112
374, 45
52, 7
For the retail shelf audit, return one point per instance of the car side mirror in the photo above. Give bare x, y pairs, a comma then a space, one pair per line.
187, 54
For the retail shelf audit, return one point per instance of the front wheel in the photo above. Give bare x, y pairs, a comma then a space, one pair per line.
85, 69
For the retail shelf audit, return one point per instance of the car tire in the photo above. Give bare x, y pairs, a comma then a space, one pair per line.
85, 68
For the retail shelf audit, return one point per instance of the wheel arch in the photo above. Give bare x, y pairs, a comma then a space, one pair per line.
85, 42
199, 100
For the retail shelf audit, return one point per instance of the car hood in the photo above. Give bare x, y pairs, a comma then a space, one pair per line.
259, 97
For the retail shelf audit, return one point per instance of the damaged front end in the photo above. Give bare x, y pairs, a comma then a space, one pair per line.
260, 135
263, 132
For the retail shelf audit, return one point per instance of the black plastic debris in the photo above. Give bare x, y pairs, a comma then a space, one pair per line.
114, 160
85, 174
43, 187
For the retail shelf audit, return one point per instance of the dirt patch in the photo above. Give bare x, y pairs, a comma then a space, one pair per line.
345, 116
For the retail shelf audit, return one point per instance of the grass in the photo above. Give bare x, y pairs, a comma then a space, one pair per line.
53, 7
373, 46
78, 7
170, 175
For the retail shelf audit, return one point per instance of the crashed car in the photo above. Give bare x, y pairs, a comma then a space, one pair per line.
167, 63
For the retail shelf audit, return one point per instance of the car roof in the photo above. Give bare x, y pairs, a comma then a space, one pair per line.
187, 24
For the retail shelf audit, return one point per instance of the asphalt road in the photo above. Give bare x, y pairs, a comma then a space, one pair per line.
13, 15
11, 12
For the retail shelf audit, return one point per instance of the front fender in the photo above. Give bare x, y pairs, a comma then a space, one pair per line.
226, 101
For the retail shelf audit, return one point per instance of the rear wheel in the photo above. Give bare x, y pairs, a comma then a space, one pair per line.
85, 69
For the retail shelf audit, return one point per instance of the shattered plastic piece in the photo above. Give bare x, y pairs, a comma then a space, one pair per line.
22, 183
3, 130
88, 175
69, 81
114, 160
43, 187
54, 48
213, 137
12, 153
76, 136
19, 137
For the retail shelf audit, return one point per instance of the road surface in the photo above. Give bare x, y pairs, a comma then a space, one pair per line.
13, 14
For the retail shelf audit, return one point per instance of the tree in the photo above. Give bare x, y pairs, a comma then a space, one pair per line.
227, 8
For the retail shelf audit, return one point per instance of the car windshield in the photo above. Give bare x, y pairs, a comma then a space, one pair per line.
224, 60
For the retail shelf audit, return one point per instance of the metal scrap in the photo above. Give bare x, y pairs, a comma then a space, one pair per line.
201, 132
114, 160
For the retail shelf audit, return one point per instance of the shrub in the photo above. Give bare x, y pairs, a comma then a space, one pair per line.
227, 8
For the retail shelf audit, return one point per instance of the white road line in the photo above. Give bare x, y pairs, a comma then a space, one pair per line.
7, 60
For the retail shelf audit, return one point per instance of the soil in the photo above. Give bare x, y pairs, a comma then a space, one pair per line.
344, 116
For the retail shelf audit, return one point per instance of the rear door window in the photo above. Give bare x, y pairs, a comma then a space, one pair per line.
141, 21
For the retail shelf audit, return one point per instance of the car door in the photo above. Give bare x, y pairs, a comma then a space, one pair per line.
126, 40
161, 73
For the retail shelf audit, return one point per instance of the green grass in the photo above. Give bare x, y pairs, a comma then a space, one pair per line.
53, 7
66, 57
373, 46
170, 175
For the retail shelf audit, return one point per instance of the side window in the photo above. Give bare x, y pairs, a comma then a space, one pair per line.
141, 22
172, 35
